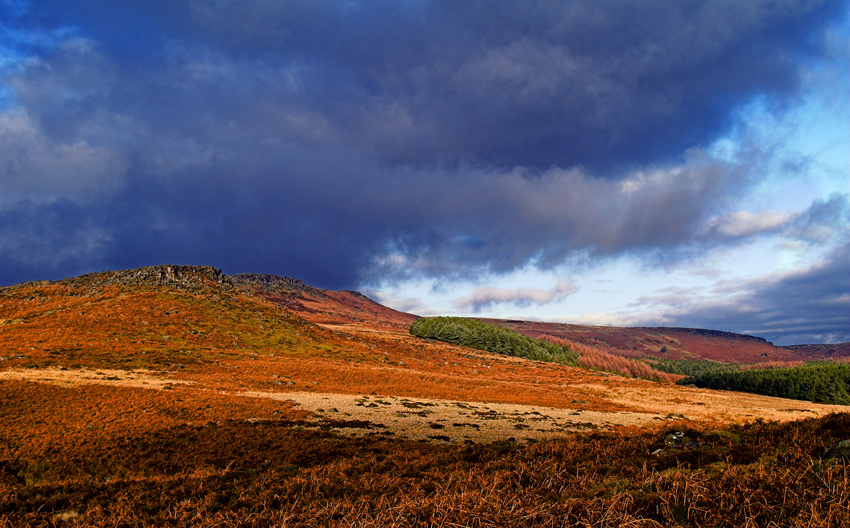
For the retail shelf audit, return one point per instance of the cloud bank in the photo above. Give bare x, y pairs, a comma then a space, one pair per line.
800, 307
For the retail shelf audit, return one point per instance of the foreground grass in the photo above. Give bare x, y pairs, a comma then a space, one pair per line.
273, 473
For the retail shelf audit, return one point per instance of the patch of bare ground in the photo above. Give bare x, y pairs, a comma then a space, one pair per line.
77, 377
713, 405
453, 421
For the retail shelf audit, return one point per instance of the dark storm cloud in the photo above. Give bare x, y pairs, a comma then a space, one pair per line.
803, 307
598, 84
500, 220
48, 241
341, 142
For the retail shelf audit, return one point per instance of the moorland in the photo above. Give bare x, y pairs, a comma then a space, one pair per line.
178, 396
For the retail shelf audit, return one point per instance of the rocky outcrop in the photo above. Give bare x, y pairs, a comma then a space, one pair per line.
182, 277
708, 333
273, 283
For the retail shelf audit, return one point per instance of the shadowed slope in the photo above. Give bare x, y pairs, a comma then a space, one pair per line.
323, 306
669, 343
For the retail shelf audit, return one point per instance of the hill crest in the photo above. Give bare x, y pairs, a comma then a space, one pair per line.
328, 307
171, 275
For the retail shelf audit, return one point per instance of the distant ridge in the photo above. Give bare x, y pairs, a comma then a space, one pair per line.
664, 342
705, 333
351, 307
830, 351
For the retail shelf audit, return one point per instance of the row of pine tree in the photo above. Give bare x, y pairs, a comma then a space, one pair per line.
821, 382
491, 338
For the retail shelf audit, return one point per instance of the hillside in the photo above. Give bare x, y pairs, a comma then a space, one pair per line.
323, 306
675, 343
176, 395
276, 336
352, 310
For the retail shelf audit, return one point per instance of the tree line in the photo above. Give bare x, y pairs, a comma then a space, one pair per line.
491, 338
690, 367
820, 382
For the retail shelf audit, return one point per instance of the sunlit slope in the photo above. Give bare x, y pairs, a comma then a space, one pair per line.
194, 324
139, 319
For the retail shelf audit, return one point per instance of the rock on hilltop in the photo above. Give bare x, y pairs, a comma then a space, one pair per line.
184, 277
272, 283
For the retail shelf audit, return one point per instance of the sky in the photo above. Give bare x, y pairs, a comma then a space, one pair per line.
629, 163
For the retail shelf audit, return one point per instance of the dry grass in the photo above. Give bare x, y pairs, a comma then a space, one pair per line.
229, 341
600, 357
238, 472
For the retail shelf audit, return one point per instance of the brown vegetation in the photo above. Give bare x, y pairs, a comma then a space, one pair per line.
606, 359
232, 472
153, 403
669, 343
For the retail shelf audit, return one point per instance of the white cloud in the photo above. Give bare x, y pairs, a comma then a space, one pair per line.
614, 319
483, 297
808, 304
402, 304
742, 223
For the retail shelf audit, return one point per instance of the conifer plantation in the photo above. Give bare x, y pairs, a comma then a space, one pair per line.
491, 338
820, 382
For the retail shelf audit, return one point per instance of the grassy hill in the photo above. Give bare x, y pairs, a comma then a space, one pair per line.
322, 306
137, 319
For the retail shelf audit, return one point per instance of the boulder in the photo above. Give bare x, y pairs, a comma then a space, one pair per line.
839, 450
